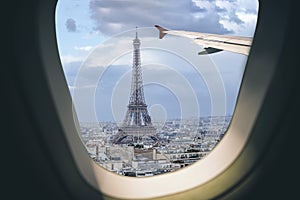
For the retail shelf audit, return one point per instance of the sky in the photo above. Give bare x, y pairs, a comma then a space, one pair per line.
95, 46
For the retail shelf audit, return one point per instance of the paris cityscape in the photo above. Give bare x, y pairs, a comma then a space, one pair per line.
140, 147
183, 143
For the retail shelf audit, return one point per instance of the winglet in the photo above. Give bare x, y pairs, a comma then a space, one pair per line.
161, 31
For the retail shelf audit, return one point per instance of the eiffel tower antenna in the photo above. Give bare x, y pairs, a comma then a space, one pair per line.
136, 32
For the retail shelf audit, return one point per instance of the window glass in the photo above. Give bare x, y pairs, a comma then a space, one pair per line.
148, 106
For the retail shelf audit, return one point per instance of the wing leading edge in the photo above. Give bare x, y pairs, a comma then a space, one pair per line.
213, 43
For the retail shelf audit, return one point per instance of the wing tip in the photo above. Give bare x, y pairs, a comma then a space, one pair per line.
161, 31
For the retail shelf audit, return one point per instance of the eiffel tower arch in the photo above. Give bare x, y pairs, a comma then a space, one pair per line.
137, 126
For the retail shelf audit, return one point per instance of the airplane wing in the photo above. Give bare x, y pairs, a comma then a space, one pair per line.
213, 43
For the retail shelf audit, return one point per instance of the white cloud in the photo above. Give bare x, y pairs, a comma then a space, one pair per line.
240, 16
113, 17
70, 58
84, 48
213, 16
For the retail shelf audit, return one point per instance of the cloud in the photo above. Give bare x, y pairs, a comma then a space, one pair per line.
112, 17
238, 16
70, 58
84, 48
71, 25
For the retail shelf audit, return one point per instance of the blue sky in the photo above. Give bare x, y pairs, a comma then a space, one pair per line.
95, 45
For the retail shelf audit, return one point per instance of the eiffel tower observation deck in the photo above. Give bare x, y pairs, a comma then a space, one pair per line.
137, 126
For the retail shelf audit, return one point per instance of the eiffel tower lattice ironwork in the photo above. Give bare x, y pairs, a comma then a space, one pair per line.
137, 126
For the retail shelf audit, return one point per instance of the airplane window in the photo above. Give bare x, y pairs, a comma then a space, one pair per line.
154, 83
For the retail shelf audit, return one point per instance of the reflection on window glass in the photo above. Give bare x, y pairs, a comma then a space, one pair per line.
152, 100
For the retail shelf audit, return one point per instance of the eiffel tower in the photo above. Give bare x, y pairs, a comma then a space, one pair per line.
137, 126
